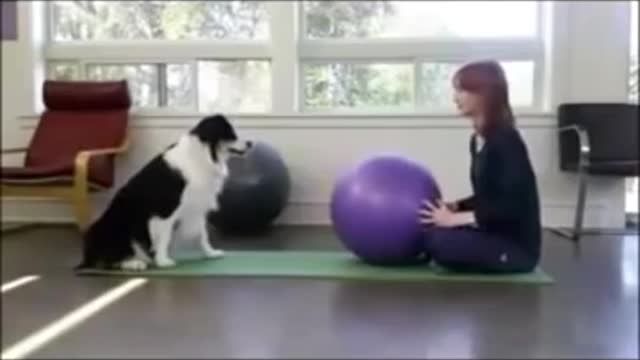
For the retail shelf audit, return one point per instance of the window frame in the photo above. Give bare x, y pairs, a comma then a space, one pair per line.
431, 50
541, 10
287, 48
634, 7
363, 61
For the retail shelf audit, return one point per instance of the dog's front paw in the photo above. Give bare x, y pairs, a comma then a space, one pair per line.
213, 253
165, 262
133, 265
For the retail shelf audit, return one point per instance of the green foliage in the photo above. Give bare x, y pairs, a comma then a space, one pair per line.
436, 90
163, 20
63, 71
379, 85
633, 79
353, 85
143, 80
341, 19
327, 85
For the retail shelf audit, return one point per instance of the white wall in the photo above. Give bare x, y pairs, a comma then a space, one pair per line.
318, 148
10, 76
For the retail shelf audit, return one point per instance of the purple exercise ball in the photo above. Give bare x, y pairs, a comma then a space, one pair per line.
374, 209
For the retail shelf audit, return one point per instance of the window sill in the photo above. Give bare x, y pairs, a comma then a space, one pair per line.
392, 120
159, 114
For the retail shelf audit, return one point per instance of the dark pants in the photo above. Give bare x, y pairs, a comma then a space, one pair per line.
467, 249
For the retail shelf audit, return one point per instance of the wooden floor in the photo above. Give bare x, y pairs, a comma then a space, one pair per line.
590, 311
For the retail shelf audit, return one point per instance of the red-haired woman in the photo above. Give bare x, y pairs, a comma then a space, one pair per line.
498, 228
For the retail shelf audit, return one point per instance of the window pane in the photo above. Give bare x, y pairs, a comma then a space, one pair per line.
436, 91
520, 77
435, 86
142, 79
164, 20
234, 86
180, 86
633, 71
389, 19
358, 85
59, 70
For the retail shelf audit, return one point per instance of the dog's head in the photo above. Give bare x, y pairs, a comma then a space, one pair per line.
217, 133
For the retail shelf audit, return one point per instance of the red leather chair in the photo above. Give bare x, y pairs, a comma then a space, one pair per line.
73, 149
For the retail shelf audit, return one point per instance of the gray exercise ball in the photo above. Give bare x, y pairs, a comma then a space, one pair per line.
255, 193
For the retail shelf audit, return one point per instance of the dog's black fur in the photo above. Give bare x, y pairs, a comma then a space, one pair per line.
154, 191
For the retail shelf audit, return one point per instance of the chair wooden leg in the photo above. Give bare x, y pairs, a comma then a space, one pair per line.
82, 209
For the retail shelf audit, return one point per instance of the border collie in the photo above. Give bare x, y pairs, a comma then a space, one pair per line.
168, 197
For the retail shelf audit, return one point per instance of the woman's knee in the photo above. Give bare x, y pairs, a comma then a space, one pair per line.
443, 244
433, 239
467, 250
524, 265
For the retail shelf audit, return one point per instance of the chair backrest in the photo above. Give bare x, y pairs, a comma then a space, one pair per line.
612, 130
81, 115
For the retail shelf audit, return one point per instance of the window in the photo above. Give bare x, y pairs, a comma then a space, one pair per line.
633, 71
158, 20
242, 56
352, 85
180, 85
345, 85
143, 80
197, 55
419, 19
63, 70
632, 185
234, 85
401, 55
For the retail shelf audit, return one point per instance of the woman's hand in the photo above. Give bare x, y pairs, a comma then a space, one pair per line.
439, 215
452, 206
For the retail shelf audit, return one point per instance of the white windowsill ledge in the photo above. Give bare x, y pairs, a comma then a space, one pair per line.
182, 120
161, 114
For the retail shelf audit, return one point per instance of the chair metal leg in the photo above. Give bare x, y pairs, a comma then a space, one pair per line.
578, 221
582, 199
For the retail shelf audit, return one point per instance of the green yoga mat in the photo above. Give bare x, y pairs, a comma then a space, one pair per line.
314, 264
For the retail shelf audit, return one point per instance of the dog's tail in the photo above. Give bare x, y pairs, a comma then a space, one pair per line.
83, 266
89, 255
88, 261
105, 244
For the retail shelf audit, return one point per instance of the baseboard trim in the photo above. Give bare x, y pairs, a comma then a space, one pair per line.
321, 121
555, 214
10, 227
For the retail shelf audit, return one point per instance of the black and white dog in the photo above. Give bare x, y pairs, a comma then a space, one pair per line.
170, 196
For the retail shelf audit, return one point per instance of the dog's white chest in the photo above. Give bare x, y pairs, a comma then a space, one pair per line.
203, 178
201, 197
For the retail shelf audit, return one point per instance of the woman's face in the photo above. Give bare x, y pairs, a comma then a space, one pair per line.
468, 104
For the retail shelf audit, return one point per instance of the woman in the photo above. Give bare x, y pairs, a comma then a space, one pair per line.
498, 228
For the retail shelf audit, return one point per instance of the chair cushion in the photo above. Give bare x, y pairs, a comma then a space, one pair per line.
56, 174
60, 136
80, 116
86, 95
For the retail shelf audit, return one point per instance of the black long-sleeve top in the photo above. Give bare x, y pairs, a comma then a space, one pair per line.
505, 195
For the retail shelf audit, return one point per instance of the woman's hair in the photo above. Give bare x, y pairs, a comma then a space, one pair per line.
487, 79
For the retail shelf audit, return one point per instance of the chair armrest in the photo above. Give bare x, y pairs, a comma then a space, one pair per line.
14, 150
583, 142
81, 170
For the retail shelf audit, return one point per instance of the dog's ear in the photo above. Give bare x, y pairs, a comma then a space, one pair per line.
213, 129
208, 128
